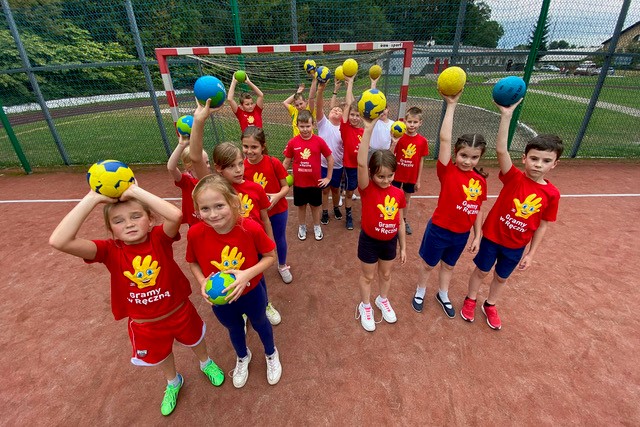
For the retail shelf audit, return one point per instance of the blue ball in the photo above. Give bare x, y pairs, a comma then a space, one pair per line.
210, 87
216, 284
184, 124
323, 74
509, 90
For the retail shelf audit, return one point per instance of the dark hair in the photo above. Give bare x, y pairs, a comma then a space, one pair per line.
472, 140
545, 142
243, 96
304, 116
380, 159
298, 95
413, 111
256, 133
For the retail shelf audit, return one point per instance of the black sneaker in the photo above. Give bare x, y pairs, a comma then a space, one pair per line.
325, 218
447, 307
337, 213
349, 222
417, 303
407, 228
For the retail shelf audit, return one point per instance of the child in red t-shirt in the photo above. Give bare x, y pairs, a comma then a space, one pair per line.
185, 180
303, 153
382, 228
351, 131
269, 173
520, 216
463, 188
248, 112
227, 241
147, 285
409, 151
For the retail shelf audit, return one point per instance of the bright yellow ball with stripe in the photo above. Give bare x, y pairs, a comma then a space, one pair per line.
452, 80
371, 104
350, 67
339, 73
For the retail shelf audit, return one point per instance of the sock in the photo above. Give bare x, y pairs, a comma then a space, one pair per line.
366, 305
175, 382
420, 292
382, 299
486, 304
325, 212
444, 296
205, 363
405, 220
469, 298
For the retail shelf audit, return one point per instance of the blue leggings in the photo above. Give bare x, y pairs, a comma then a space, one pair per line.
253, 304
279, 227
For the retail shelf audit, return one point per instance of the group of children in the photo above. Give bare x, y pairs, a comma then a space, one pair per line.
238, 217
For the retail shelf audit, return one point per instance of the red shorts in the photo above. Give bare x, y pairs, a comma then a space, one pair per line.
152, 342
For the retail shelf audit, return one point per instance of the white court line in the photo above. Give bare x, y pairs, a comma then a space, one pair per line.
177, 199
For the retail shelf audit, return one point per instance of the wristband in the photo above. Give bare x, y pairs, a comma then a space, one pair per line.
335, 93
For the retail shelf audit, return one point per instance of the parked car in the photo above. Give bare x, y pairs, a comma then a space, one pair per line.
610, 71
550, 67
587, 68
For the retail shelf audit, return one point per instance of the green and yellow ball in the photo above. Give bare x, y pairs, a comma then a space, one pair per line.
216, 284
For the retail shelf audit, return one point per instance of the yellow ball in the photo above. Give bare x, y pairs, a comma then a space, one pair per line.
452, 80
110, 178
375, 71
398, 129
339, 73
309, 66
350, 67
371, 104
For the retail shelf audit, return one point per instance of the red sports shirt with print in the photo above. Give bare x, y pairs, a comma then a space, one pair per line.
306, 155
380, 210
409, 152
267, 173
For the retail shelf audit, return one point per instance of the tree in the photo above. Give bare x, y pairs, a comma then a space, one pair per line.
561, 44
479, 29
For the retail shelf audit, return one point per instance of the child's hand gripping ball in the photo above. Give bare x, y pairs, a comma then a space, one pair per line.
216, 284
375, 71
110, 178
309, 66
339, 73
371, 104
240, 76
398, 129
323, 74
452, 80
350, 67
183, 125
509, 90
210, 87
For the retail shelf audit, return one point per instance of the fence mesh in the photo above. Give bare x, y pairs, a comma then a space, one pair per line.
84, 61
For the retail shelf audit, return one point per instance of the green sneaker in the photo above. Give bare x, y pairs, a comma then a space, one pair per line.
171, 397
214, 373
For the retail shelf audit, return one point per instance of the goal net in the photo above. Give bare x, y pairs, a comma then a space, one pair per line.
277, 70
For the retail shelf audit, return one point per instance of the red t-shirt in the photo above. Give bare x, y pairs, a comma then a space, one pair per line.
237, 250
351, 137
521, 205
186, 184
253, 199
253, 118
461, 195
380, 208
146, 281
306, 155
409, 152
267, 173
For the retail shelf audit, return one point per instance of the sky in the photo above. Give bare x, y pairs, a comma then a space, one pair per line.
579, 22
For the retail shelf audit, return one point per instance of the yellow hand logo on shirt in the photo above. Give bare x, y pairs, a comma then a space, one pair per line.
473, 190
527, 208
259, 178
390, 208
305, 154
246, 204
145, 273
230, 259
250, 119
410, 151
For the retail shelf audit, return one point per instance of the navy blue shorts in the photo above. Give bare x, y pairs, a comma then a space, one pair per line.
405, 186
336, 177
351, 178
441, 244
506, 260
371, 250
307, 195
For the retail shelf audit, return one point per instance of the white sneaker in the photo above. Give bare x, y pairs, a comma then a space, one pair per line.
354, 197
274, 368
387, 312
302, 232
273, 315
285, 274
366, 317
241, 372
317, 231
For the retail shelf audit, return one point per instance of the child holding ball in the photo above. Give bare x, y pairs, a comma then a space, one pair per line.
382, 228
463, 189
351, 132
147, 285
296, 103
248, 112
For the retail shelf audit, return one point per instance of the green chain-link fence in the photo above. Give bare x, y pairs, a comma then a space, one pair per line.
79, 82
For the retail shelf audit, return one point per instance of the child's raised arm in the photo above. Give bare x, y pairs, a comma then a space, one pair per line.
320, 105
349, 99
64, 236
446, 130
258, 92
171, 213
287, 102
172, 164
197, 138
363, 153
232, 93
336, 86
312, 94
504, 159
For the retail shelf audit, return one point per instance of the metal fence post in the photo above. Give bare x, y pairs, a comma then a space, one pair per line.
462, 11
34, 82
133, 25
294, 22
14, 141
603, 74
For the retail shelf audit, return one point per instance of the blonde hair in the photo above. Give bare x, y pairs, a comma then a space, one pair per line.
224, 154
221, 185
184, 157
